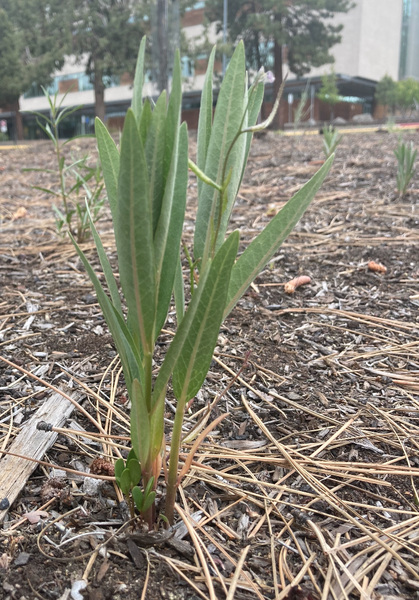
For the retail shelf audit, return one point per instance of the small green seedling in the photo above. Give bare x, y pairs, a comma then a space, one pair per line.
406, 156
128, 475
74, 178
331, 140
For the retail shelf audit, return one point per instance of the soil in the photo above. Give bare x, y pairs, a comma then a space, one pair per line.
323, 415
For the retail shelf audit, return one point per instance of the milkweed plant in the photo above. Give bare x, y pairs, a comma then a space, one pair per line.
146, 182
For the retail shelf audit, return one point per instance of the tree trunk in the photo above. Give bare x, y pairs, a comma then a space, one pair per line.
18, 120
100, 109
278, 121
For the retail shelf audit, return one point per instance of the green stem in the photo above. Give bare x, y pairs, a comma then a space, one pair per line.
191, 268
148, 374
172, 482
60, 169
195, 169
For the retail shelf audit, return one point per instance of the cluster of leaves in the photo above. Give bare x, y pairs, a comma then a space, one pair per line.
73, 178
402, 95
146, 183
406, 156
128, 476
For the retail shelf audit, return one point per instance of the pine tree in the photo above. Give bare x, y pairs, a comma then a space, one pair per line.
10, 65
386, 92
108, 33
35, 36
304, 26
329, 92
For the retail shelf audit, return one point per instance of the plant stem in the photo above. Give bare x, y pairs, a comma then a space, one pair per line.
148, 372
172, 483
60, 168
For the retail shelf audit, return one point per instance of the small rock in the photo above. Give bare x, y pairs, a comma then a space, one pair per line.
89, 299
4, 504
91, 486
22, 559
77, 586
365, 118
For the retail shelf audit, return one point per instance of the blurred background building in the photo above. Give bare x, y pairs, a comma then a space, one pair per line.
409, 51
379, 37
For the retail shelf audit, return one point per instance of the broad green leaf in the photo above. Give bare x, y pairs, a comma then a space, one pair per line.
173, 115
106, 266
149, 486
170, 225
130, 358
134, 234
131, 455
237, 161
138, 498
146, 117
154, 152
205, 118
109, 158
125, 482
175, 347
119, 467
135, 471
140, 424
137, 94
148, 501
227, 118
254, 105
195, 358
264, 246
251, 107
179, 292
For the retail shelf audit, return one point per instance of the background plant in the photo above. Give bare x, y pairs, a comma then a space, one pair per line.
74, 179
147, 185
329, 92
331, 140
301, 111
406, 156
403, 95
386, 93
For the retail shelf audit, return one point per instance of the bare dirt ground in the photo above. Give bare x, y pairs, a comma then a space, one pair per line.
308, 490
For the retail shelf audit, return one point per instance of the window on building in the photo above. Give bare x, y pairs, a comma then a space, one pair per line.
187, 67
